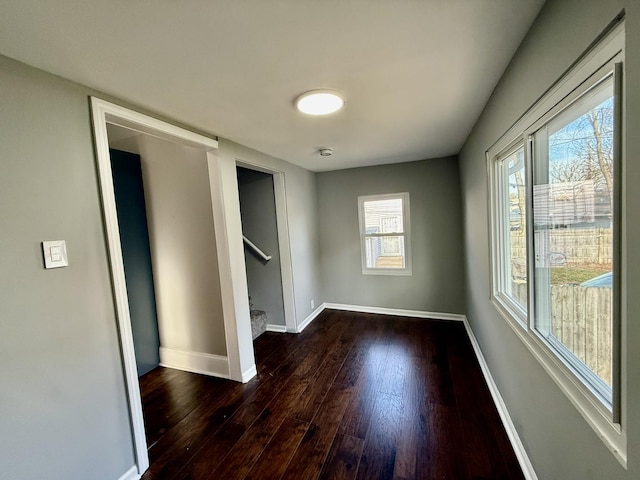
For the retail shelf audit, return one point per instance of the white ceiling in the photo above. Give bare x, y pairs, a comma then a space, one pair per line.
415, 73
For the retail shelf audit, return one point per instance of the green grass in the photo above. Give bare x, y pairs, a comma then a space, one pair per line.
560, 275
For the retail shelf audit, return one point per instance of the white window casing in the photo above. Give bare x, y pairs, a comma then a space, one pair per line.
385, 234
600, 404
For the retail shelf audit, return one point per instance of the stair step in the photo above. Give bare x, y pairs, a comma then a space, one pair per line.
258, 323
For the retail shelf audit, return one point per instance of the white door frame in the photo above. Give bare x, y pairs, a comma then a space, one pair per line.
284, 247
228, 234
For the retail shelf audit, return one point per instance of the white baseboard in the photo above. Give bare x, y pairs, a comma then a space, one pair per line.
512, 433
396, 311
131, 474
249, 373
276, 328
310, 318
195, 362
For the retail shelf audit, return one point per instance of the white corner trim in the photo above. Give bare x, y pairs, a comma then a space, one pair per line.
195, 362
396, 311
131, 474
310, 318
249, 373
276, 328
512, 433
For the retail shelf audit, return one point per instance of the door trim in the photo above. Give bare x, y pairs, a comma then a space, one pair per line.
284, 246
228, 240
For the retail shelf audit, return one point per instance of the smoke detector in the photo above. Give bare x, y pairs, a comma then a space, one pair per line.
325, 152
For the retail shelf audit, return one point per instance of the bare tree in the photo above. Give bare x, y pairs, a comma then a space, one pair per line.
588, 146
603, 146
569, 171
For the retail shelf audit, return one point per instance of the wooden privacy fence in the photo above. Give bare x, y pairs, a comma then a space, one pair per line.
580, 246
582, 321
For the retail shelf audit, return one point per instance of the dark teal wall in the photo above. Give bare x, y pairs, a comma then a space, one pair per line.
134, 236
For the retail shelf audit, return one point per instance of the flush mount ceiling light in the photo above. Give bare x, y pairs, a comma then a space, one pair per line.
319, 102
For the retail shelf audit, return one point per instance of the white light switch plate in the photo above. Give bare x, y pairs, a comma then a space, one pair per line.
55, 254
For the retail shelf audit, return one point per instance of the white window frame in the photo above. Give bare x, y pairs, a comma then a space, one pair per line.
406, 233
500, 255
607, 420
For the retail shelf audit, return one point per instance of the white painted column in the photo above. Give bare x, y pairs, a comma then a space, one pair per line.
233, 277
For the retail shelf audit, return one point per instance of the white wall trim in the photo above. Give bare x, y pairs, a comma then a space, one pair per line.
131, 474
249, 373
195, 362
229, 245
396, 311
276, 328
310, 318
284, 244
512, 433
100, 111
225, 202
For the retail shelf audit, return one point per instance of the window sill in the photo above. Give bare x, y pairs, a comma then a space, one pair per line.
586, 402
388, 271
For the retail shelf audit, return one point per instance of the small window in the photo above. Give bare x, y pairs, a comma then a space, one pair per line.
384, 234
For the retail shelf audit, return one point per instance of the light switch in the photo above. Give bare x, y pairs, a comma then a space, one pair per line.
55, 254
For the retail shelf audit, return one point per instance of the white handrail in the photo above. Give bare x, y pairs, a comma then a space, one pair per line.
262, 255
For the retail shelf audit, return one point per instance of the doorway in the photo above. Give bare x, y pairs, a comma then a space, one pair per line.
239, 362
262, 253
273, 184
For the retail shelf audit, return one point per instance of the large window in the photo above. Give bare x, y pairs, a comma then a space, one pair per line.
384, 234
573, 230
555, 234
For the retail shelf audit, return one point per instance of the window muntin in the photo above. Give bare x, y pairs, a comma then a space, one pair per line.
573, 230
384, 230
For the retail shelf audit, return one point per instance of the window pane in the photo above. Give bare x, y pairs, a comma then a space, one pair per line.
383, 216
573, 234
384, 230
515, 227
385, 252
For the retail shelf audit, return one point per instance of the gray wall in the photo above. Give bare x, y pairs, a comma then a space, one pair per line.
63, 403
437, 283
258, 210
301, 205
560, 443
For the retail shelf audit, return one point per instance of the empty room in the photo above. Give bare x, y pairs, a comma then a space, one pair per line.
292, 239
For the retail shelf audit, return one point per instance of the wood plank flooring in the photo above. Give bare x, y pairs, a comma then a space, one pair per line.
355, 396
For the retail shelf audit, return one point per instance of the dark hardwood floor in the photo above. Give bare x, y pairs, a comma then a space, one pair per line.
355, 396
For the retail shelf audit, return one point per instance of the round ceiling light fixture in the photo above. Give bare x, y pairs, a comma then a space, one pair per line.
325, 152
320, 102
